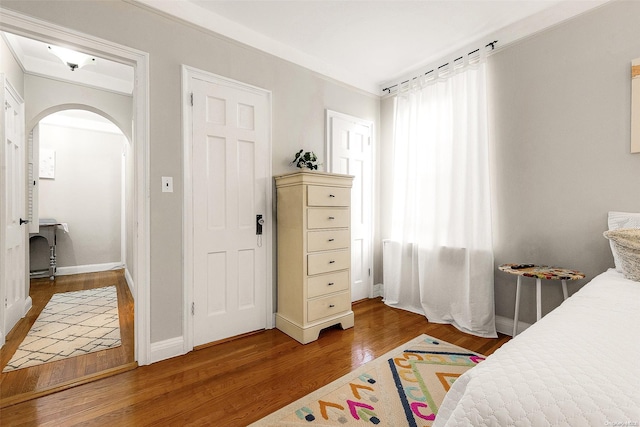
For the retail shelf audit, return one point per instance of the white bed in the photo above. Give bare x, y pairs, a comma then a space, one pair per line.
578, 366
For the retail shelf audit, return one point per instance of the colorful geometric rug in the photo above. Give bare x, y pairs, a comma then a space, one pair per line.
71, 324
405, 387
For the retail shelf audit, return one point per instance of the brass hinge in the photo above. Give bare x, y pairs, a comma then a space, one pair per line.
192, 99
193, 308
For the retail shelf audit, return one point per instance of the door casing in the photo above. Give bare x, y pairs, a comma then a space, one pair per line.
26, 26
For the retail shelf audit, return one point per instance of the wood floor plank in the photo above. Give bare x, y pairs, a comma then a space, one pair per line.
236, 382
38, 379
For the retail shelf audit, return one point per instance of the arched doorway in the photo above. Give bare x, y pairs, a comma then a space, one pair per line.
84, 179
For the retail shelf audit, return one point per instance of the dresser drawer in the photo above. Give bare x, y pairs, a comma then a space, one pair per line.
328, 306
328, 218
327, 284
325, 262
327, 240
328, 196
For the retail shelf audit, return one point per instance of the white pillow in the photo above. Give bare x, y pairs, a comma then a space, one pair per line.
621, 220
627, 244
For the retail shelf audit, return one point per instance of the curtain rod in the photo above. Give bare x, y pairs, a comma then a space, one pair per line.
492, 44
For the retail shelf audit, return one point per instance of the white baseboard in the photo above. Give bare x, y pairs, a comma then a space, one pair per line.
166, 349
129, 279
504, 325
90, 268
28, 303
378, 290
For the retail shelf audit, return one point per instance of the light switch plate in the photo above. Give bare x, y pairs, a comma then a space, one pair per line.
167, 184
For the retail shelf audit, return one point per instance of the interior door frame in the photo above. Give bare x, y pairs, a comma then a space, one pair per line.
188, 73
37, 29
329, 115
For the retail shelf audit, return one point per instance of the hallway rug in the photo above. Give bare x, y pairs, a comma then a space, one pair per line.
71, 324
404, 387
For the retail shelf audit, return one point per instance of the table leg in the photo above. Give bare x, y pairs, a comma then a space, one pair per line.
53, 257
517, 312
52, 262
539, 298
564, 289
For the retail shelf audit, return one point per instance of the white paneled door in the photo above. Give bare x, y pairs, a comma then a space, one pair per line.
231, 187
12, 203
350, 151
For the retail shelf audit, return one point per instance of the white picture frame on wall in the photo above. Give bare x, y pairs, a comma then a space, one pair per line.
635, 106
47, 164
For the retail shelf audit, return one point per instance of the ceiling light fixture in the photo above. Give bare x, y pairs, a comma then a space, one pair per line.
71, 58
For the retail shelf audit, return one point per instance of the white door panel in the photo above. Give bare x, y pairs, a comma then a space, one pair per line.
350, 146
230, 176
12, 265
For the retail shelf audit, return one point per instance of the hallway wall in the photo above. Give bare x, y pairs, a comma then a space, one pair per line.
299, 99
86, 194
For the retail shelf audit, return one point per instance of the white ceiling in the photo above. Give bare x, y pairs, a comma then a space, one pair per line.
372, 43
36, 58
368, 44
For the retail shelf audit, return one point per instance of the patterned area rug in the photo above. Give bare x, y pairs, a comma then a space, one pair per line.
71, 324
405, 387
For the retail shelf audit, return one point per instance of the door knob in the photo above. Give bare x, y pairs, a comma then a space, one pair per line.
24, 221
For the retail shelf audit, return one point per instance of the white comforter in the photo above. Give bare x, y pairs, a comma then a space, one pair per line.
577, 366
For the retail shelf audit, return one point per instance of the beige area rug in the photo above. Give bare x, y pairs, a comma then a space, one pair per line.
405, 387
71, 324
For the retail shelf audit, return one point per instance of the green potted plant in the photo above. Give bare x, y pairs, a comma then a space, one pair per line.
306, 160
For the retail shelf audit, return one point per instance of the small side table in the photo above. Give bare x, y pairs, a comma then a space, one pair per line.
53, 225
538, 272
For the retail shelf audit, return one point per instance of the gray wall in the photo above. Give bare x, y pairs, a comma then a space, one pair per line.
86, 194
299, 96
44, 96
560, 125
559, 113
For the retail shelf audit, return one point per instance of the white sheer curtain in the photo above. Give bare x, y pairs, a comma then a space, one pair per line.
439, 261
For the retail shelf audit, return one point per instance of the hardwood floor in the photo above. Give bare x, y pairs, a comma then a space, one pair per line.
237, 382
23, 384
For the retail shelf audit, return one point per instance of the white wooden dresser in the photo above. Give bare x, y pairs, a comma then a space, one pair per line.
314, 253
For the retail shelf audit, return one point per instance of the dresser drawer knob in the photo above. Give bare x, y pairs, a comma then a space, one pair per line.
331, 283
331, 262
331, 240
331, 305
332, 217
331, 195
